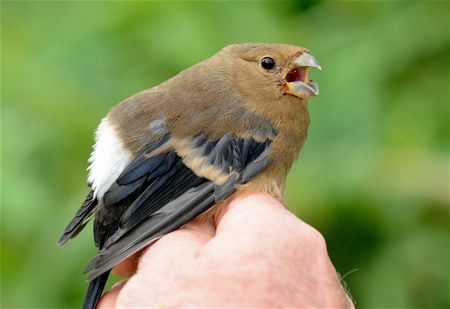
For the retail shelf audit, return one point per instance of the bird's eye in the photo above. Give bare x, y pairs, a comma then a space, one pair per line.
267, 63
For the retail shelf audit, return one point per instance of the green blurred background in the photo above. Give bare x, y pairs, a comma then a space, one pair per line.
373, 176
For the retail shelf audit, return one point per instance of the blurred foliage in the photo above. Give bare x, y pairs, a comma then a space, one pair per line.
373, 176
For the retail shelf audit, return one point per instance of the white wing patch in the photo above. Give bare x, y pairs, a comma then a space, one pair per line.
108, 159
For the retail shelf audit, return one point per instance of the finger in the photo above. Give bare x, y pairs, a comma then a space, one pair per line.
349, 300
109, 299
163, 264
247, 210
128, 266
203, 228
177, 248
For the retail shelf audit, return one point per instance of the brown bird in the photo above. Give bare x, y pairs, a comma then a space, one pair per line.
232, 124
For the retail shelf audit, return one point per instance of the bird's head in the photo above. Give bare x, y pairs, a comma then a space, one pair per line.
269, 80
273, 70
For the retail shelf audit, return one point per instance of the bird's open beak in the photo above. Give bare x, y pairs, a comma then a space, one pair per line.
297, 82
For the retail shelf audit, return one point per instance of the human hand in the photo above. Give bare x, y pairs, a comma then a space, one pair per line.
260, 255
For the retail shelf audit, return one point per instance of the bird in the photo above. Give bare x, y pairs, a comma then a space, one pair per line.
230, 125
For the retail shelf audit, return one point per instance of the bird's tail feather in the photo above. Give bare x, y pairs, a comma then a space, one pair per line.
95, 290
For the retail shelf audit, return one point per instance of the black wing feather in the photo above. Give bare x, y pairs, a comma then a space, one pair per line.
80, 219
177, 181
141, 166
141, 170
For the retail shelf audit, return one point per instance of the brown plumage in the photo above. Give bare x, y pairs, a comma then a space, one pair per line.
232, 124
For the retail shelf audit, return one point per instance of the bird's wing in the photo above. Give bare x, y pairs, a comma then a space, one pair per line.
80, 219
169, 186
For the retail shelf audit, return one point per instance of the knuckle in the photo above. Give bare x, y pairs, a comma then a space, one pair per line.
317, 239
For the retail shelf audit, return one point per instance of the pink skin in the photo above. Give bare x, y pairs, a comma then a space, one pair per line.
261, 255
